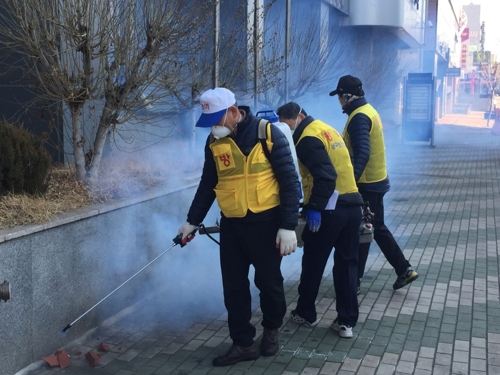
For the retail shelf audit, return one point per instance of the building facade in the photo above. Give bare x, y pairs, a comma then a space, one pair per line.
297, 49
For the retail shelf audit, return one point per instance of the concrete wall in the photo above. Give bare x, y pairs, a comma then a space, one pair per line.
59, 270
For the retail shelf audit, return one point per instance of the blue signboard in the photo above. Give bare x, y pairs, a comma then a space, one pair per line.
453, 72
418, 108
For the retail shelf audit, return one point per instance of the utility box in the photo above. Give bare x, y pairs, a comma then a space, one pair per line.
418, 108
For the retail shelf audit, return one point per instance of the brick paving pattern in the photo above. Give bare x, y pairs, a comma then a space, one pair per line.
442, 211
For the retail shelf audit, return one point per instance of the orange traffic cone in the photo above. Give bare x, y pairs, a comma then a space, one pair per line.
495, 130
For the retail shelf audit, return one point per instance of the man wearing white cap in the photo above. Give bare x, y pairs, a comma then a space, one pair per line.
257, 192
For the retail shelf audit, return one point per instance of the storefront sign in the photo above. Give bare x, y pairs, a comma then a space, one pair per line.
465, 34
453, 72
463, 56
481, 57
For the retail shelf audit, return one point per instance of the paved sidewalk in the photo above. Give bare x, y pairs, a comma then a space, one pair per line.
473, 119
442, 209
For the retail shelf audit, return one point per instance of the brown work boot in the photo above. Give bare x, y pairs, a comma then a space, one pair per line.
237, 354
269, 344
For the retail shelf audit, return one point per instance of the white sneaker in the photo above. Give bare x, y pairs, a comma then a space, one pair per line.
343, 330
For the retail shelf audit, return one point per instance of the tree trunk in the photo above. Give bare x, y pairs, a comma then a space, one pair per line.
93, 173
490, 109
78, 143
100, 139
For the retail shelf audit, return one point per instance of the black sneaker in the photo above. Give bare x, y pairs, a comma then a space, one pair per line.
406, 278
296, 318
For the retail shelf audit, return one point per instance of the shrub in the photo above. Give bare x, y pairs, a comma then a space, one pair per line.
24, 162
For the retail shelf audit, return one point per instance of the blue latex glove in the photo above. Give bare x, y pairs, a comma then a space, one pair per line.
313, 220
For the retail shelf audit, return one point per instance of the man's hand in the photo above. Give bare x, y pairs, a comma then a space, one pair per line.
287, 241
186, 229
313, 219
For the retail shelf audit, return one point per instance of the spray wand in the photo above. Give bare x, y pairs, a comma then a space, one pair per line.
178, 240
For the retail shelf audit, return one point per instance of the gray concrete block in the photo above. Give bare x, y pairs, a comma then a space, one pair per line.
16, 314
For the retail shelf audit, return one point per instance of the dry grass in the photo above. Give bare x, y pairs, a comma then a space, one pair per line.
65, 194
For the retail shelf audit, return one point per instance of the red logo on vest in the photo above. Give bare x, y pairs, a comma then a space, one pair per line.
327, 136
225, 159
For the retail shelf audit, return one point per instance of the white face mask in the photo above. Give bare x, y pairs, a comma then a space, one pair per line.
220, 131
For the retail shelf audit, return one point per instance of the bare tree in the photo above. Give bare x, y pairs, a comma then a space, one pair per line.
235, 58
112, 64
315, 55
117, 57
491, 74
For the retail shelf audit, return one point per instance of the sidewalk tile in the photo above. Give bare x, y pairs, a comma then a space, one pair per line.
441, 211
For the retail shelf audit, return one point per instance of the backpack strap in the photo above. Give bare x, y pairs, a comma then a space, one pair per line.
262, 132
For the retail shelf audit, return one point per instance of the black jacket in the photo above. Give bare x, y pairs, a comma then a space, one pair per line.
284, 170
312, 154
359, 134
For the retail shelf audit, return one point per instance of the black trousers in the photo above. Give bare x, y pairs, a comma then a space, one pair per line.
242, 245
340, 229
382, 236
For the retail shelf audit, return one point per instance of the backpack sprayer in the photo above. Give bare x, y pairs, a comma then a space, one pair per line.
366, 227
268, 114
178, 240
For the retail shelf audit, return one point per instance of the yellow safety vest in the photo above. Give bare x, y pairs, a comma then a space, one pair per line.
338, 153
376, 168
245, 182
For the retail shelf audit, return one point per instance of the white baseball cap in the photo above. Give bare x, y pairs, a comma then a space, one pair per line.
214, 104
